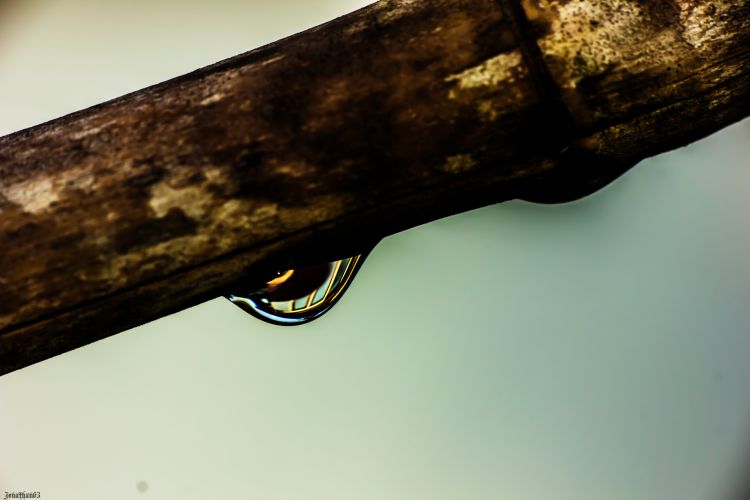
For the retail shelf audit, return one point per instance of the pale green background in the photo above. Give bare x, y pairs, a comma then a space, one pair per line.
596, 350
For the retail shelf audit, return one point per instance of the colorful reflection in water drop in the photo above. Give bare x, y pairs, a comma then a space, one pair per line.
298, 296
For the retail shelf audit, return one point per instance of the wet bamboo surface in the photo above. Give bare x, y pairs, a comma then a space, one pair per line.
314, 146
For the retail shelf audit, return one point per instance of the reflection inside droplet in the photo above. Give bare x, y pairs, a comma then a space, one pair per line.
297, 296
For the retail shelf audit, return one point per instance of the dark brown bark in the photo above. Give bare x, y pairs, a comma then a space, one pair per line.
395, 115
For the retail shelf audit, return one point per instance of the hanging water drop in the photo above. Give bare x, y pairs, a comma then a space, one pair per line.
297, 296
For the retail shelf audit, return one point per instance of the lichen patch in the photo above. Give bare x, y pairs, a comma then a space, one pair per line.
501, 69
212, 99
34, 196
458, 164
192, 200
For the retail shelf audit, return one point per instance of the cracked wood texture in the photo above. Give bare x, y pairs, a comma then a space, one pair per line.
314, 146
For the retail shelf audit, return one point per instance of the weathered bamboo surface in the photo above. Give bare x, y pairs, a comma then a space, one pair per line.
395, 115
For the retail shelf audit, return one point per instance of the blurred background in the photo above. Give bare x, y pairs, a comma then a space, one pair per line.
595, 350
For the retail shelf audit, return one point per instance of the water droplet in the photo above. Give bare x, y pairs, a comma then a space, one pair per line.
297, 296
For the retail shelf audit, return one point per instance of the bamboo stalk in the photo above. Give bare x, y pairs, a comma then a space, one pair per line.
395, 115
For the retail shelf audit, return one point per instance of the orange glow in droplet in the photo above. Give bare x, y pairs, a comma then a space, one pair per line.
281, 279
